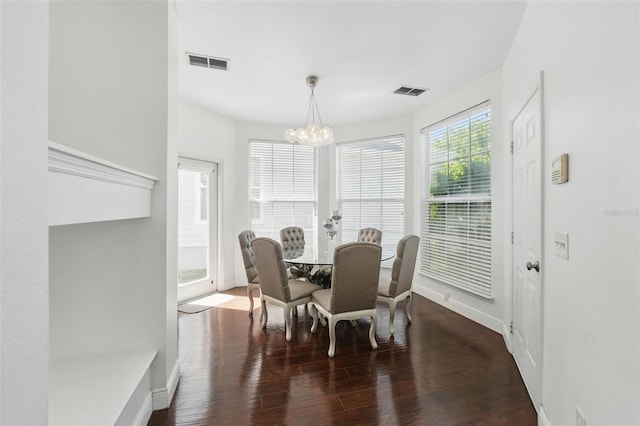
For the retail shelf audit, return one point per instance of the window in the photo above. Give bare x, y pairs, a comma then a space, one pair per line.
282, 188
202, 190
370, 188
456, 204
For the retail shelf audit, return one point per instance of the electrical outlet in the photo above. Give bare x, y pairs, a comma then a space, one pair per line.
581, 420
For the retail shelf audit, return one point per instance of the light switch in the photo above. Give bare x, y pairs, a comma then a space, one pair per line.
561, 241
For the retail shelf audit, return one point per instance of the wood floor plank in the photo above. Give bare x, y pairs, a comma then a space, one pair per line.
442, 369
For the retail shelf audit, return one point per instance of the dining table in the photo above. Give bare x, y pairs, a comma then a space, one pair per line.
315, 262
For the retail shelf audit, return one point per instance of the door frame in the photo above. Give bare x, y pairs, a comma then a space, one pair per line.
212, 283
535, 87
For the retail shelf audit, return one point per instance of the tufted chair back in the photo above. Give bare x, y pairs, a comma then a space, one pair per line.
291, 237
370, 235
293, 252
245, 238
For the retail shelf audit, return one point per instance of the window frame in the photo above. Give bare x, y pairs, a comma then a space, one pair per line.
441, 242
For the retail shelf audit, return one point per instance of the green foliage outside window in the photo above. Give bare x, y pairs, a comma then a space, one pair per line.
460, 157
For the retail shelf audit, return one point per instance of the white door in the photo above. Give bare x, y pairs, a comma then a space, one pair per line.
527, 236
197, 228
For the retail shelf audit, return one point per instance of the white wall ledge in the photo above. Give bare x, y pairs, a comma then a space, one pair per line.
84, 188
100, 390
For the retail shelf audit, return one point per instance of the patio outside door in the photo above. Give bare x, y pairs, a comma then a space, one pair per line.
197, 226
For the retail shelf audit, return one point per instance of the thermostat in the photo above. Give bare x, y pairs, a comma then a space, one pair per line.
560, 169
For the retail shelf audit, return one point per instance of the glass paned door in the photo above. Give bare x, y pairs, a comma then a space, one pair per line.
197, 204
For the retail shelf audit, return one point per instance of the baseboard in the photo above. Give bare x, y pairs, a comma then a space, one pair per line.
466, 311
142, 419
543, 420
506, 335
174, 378
230, 283
162, 397
137, 410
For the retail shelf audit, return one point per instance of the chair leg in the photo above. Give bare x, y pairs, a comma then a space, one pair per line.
264, 313
392, 316
332, 337
372, 330
323, 320
287, 323
250, 296
407, 306
314, 316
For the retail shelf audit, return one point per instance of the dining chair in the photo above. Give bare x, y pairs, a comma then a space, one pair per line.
275, 286
292, 238
370, 235
398, 288
253, 281
354, 284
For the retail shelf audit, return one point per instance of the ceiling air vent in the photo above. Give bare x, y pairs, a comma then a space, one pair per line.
409, 91
208, 62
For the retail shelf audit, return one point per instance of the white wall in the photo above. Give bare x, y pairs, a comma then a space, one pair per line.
169, 380
113, 283
208, 136
24, 290
589, 52
487, 312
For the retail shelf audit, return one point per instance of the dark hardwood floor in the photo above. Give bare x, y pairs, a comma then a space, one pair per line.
442, 369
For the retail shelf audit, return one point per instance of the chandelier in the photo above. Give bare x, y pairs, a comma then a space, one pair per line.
313, 134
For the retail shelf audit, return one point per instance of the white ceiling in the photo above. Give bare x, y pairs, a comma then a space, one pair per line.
360, 50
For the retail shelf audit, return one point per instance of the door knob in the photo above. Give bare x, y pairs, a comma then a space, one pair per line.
535, 266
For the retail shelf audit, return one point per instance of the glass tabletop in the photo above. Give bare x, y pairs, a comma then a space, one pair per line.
309, 255
315, 264
320, 256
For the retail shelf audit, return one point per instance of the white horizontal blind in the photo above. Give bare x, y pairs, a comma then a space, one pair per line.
282, 188
370, 188
456, 204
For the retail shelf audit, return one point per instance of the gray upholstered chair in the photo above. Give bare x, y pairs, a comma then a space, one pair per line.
354, 284
292, 238
253, 281
398, 288
275, 286
370, 235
